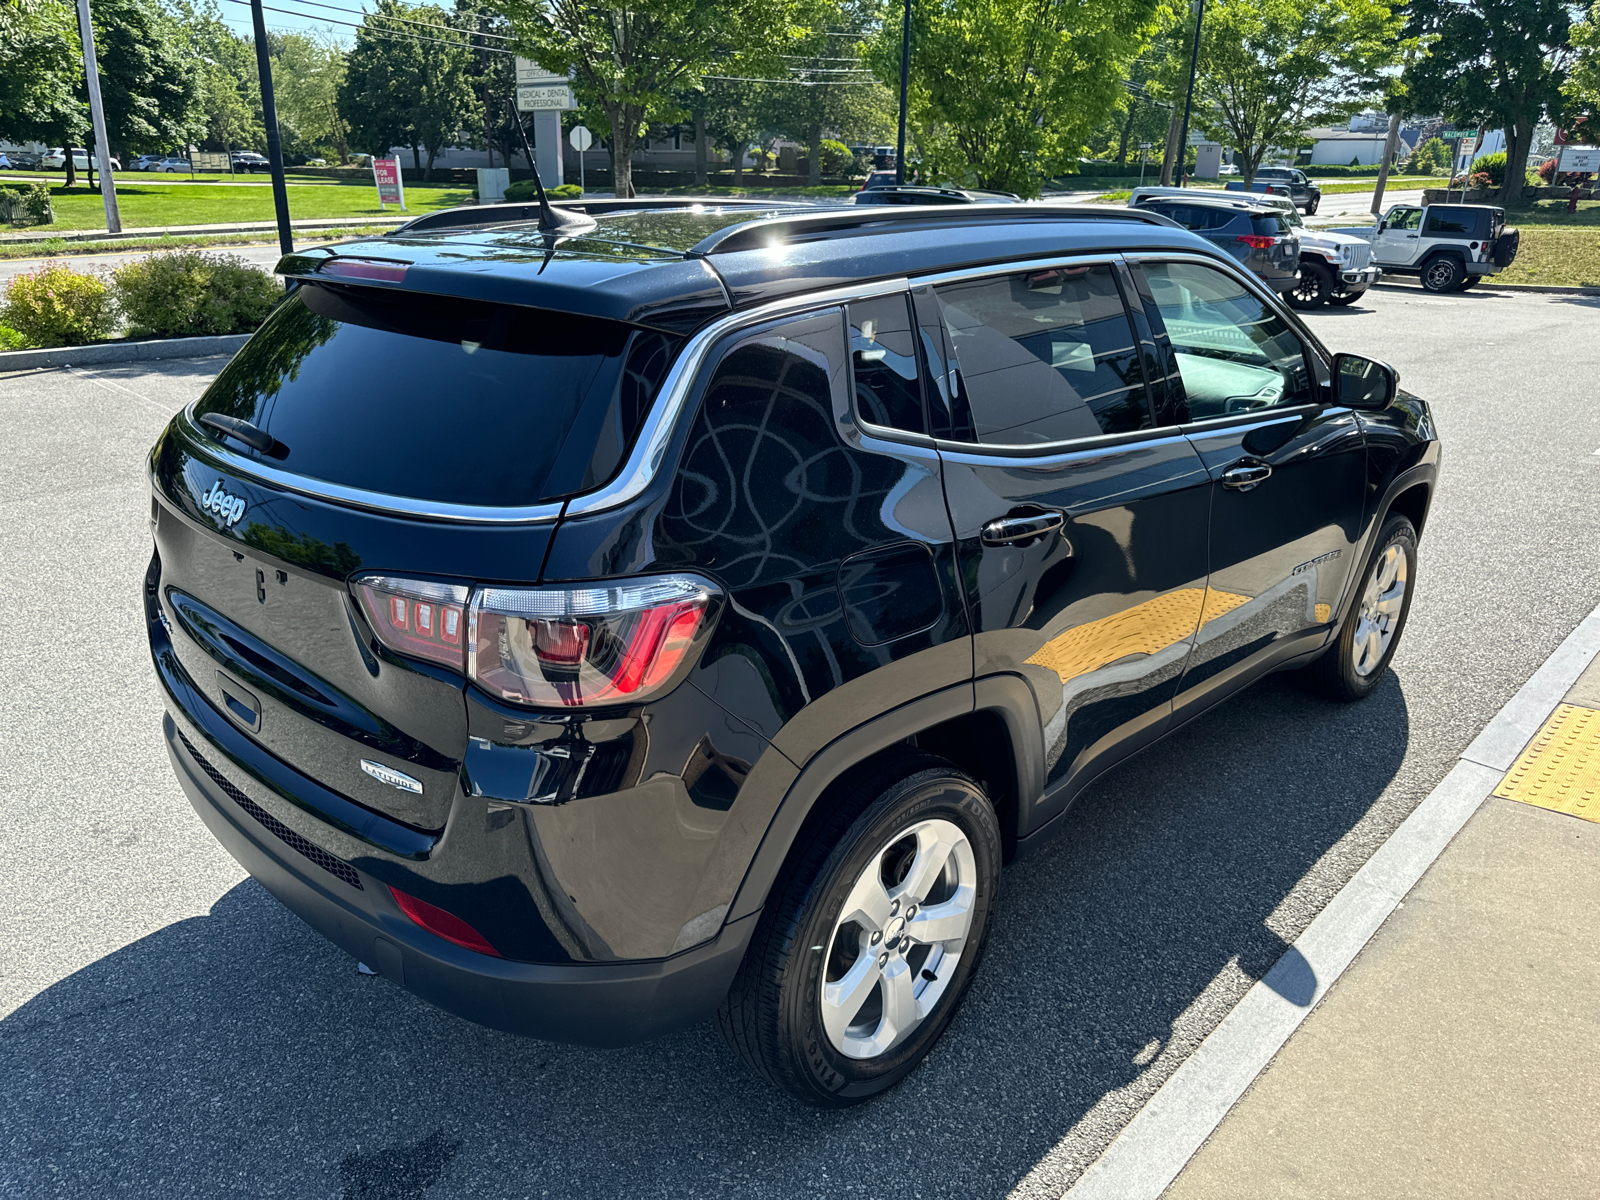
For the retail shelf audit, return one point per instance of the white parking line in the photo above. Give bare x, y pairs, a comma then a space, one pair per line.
112, 385
1156, 1145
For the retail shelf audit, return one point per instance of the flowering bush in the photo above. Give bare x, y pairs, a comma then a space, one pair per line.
188, 293
1492, 165
56, 306
1547, 171
1481, 180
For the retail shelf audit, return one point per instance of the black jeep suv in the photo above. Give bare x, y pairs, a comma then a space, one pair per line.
594, 631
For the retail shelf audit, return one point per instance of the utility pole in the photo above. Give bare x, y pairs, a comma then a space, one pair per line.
1199, 9
269, 118
91, 71
905, 83
1390, 144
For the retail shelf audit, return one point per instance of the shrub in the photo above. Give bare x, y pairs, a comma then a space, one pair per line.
186, 293
836, 157
55, 306
1481, 180
26, 203
524, 189
1547, 171
10, 339
1492, 165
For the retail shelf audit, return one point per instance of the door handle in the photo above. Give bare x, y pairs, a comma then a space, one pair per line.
1020, 527
1241, 477
1411, 235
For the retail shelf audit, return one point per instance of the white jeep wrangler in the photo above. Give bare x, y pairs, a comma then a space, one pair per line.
1449, 246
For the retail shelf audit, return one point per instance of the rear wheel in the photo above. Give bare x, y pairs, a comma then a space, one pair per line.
1311, 209
870, 938
1442, 274
1469, 281
1312, 286
1354, 665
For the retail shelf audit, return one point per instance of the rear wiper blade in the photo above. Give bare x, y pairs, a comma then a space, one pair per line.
251, 435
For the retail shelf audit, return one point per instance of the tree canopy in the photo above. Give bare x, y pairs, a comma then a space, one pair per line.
1271, 69
1500, 63
1004, 93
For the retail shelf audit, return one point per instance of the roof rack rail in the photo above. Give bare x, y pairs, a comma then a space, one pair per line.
760, 233
478, 215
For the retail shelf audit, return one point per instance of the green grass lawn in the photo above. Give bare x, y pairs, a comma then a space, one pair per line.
1558, 248
831, 189
146, 204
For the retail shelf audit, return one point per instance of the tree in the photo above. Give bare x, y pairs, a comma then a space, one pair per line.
628, 63
148, 82
41, 66
408, 82
1500, 63
1271, 69
825, 89
1581, 91
307, 70
1004, 93
229, 94
493, 79
732, 116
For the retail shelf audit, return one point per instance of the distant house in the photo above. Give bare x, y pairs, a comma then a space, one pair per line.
1336, 147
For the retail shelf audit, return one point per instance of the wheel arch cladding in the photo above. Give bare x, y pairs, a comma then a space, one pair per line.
1412, 503
983, 743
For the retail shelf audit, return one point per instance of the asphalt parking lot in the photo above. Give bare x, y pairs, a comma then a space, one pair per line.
167, 1029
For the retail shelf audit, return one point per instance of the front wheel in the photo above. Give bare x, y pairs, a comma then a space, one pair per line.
870, 937
1344, 298
1353, 666
1442, 275
1312, 286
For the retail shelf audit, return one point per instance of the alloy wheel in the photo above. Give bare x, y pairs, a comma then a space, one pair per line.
898, 939
1381, 605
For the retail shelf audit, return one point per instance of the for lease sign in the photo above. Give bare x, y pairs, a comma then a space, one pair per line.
386, 173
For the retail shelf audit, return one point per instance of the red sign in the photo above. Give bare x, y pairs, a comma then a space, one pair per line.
386, 172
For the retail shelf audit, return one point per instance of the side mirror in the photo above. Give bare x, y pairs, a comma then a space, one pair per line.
1363, 382
1382, 225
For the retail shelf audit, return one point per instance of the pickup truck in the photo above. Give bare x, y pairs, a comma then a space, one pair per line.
1284, 181
1448, 246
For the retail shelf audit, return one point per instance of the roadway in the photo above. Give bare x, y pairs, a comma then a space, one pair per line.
169, 1030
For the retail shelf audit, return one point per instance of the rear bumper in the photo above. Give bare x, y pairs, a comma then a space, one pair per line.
608, 1004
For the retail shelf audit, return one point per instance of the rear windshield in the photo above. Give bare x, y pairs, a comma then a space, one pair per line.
1270, 225
443, 399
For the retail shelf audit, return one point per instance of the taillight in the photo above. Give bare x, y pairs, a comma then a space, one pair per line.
442, 924
417, 616
582, 647
1257, 241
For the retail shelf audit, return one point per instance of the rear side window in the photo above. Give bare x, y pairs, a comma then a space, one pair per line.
444, 399
1450, 222
883, 361
1198, 217
1045, 356
1270, 225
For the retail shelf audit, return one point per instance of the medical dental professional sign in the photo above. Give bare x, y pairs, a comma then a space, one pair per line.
386, 171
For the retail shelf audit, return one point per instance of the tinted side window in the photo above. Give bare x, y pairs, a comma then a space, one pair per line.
1449, 223
1045, 356
883, 361
1199, 217
1234, 353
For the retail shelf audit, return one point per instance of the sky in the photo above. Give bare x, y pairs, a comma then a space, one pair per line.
304, 16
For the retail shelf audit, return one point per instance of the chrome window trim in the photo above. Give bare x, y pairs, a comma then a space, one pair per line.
203, 446
650, 447
1056, 453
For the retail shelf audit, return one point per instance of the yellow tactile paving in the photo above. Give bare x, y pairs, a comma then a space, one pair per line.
1560, 769
1145, 628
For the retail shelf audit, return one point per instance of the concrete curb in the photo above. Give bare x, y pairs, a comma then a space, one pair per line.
309, 225
1511, 288
116, 352
1158, 1142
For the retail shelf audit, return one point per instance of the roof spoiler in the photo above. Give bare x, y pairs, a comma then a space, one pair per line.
520, 213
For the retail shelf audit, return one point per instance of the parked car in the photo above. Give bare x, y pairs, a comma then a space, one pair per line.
871, 537
146, 162
80, 160
1449, 247
4, 161
23, 160
1335, 268
1227, 169
878, 179
246, 162
1286, 181
918, 194
1257, 236
173, 164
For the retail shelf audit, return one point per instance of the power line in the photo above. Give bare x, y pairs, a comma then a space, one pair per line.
391, 34
407, 20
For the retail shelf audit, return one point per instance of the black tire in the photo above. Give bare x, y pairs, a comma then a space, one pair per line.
1344, 298
1311, 209
1466, 282
1335, 673
1442, 274
1312, 286
772, 1015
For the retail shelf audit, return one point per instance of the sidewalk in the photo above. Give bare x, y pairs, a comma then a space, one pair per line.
1459, 1055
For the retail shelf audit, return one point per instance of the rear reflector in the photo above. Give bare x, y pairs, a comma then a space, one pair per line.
443, 924
416, 616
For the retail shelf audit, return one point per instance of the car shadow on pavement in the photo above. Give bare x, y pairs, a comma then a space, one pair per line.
237, 1053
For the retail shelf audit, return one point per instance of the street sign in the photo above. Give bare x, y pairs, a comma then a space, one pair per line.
531, 74
386, 173
1455, 135
580, 138
536, 98
1579, 159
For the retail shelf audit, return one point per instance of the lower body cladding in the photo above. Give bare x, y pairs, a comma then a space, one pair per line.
599, 1004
